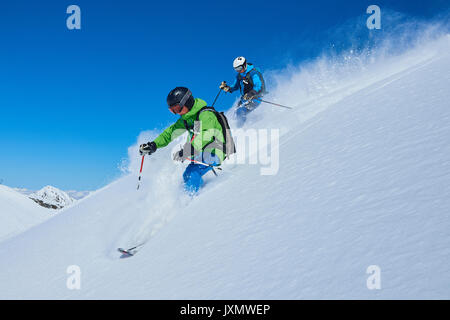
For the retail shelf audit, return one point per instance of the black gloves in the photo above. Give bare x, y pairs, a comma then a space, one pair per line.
147, 148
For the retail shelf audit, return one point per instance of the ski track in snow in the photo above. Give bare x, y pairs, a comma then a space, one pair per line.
363, 180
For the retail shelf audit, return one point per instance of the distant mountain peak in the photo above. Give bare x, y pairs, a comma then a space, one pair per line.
52, 198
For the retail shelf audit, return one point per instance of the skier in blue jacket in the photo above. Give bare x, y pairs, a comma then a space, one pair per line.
250, 83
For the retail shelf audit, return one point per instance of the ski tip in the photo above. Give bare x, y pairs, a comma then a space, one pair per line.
125, 253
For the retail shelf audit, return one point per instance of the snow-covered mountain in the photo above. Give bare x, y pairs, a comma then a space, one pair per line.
363, 183
52, 198
74, 194
18, 213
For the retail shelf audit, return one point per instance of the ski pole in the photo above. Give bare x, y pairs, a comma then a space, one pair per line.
140, 172
204, 164
275, 104
139, 245
220, 90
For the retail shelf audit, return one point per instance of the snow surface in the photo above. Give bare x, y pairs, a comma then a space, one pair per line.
18, 213
364, 179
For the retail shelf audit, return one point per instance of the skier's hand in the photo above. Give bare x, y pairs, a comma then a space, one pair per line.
225, 87
178, 156
147, 148
186, 152
250, 95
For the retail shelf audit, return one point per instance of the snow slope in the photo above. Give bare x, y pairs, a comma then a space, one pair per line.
364, 179
18, 213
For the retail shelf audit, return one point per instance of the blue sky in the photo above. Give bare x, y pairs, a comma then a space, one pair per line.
72, 101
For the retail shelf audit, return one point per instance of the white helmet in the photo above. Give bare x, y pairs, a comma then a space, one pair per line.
239, 64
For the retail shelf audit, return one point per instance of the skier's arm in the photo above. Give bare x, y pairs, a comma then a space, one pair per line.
171, 133
235, 85
257, 84
209, 129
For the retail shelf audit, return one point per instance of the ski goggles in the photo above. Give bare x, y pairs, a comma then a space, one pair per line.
239, 68
175, 109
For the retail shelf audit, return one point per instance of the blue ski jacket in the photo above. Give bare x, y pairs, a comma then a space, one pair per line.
240, 81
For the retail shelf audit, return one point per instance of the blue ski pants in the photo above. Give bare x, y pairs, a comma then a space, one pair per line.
192, 176
244, 108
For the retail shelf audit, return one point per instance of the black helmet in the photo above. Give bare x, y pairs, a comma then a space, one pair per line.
180, 96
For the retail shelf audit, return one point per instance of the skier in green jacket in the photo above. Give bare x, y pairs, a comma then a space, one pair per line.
205, 139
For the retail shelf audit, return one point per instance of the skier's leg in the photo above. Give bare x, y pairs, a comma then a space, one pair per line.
241, 116
243, 111
255, 104
192, 176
